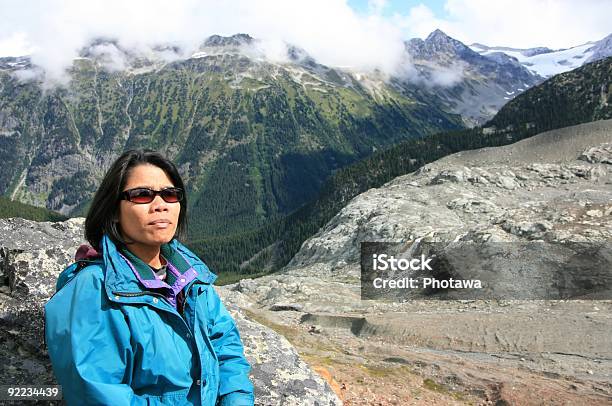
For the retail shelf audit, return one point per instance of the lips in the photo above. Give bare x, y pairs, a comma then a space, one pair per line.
160, 221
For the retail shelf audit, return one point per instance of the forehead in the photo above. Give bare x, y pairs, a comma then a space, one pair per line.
147, 175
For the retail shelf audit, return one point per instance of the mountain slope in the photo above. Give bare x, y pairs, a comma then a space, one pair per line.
578, 96
254, 139
539, 212
470, 84
527, 115
10, 208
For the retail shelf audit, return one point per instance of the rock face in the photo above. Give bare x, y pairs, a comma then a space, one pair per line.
556, 186
31, 257
551, 188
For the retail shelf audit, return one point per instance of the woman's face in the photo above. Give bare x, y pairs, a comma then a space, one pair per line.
136, 220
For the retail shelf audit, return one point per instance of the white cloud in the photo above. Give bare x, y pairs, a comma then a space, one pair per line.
419, 22
329, 30
16, 44
112, 58
515, 23
447, 76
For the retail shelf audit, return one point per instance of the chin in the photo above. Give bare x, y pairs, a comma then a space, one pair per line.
161, 239
164, 240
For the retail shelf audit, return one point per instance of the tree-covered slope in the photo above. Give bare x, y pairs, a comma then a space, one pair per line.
254, 140
11, 208
578, 96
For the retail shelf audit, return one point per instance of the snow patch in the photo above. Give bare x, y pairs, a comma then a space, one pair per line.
551, 63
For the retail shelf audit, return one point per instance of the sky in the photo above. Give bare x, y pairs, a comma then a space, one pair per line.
362, 34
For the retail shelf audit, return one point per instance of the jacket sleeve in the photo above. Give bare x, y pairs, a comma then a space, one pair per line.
89, 344
235, 387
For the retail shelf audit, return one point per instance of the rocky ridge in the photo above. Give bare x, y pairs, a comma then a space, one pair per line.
554, 187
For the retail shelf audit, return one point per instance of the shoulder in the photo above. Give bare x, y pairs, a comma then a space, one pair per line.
80, 277
83, 294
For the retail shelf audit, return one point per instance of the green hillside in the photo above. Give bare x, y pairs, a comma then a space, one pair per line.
574, 97
253, 141
11, 208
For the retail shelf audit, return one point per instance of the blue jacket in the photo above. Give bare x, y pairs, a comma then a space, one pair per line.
113, 342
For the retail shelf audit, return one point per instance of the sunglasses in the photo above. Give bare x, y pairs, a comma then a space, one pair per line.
142, 195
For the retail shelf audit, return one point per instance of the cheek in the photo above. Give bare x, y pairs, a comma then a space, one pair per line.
130, 217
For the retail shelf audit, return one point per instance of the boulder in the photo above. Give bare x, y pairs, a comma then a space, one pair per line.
598, 154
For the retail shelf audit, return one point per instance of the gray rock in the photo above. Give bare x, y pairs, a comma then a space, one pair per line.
279, 375
531, 191
599, 154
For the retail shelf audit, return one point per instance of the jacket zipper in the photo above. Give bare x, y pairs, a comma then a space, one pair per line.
186, 295
134, 294
180, 316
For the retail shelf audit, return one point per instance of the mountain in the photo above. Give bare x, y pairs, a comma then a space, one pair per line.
547, 62
470, 84
576, 97
254, 139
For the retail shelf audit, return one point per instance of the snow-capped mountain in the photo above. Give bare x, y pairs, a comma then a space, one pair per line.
472, 81
547, 62
468, 83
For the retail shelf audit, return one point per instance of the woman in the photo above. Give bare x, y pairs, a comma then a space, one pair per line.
136, 320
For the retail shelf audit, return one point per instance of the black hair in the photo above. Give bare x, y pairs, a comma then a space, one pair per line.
102, 217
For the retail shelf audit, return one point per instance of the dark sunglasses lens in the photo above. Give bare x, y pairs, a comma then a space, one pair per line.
141, 196
172, 195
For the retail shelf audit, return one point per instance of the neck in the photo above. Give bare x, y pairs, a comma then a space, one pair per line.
148, 254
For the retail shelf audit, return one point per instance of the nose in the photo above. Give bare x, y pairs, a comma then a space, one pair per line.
159, 204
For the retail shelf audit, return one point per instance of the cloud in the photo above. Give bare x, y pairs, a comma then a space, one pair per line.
447, 76
376, 7
112, 58
15, 44
515, 23
329, 30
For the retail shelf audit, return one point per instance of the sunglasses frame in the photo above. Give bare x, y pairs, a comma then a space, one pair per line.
126, 194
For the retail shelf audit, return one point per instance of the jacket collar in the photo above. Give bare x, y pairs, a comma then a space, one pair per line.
120, 276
